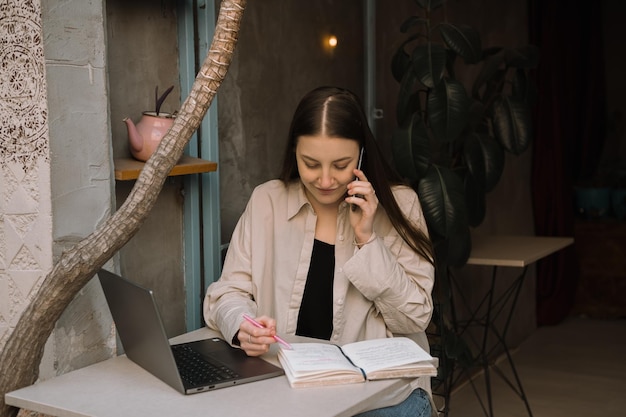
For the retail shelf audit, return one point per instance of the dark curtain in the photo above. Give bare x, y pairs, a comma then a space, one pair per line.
569, 121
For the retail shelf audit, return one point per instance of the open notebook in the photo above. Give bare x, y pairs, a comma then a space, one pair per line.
188, 367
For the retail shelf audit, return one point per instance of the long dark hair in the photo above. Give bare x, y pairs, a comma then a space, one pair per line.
337, 112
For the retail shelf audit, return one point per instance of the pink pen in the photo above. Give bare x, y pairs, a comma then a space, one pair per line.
260, 326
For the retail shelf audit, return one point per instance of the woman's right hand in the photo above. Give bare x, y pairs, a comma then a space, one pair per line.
256, 341
362, 220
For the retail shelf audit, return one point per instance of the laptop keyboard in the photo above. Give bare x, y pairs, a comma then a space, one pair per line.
196, 369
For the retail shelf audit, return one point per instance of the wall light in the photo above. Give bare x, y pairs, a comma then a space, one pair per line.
332, 41
329, 43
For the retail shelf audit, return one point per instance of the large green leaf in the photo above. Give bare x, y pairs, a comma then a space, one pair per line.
400, 63
494, 162
443, 203
463, 40
474, 159
522, 87
484, 158
448, 110
401, 60
511, 124
429, 62
411, 149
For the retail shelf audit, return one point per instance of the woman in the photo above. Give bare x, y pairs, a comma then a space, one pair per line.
330, 250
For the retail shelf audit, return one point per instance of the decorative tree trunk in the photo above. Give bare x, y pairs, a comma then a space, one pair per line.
21, 355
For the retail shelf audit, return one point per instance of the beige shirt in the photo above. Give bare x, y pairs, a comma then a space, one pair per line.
380, 290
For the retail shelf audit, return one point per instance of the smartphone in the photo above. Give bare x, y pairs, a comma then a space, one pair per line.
358, 166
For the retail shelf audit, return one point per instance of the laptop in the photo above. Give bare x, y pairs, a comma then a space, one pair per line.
189, 367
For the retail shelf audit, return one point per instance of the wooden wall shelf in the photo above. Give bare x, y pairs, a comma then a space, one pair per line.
129, 168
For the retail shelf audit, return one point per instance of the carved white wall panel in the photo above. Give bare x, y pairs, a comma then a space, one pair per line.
25, 209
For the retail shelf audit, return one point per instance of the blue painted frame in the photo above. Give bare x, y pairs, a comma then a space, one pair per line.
202, 238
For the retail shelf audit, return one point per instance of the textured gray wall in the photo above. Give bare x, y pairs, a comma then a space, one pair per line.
142, 50
279, 57
81, 177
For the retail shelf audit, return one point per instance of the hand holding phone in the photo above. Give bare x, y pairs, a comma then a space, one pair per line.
354, 206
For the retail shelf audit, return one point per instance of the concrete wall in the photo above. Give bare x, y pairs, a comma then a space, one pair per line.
80, 189
56, 181
80, 147
142, 48
279, 57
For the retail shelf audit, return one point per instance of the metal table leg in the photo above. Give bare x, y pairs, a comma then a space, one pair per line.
484, 359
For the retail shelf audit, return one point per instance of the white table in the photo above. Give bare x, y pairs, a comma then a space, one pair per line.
514, 251
501, 251
118, 387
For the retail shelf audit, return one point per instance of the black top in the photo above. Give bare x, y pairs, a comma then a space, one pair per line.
315, 318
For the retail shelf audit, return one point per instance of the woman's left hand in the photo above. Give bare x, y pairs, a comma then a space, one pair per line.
362, 195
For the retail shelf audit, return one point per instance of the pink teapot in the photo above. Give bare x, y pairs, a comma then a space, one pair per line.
147, 134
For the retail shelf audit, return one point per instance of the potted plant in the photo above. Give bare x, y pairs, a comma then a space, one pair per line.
451, 138
144, 137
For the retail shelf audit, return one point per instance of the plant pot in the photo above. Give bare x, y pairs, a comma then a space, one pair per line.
145, 137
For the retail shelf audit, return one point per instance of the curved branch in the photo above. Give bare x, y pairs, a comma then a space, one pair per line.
22, 353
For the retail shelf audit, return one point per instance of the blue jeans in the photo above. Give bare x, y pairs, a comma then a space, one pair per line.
416, 405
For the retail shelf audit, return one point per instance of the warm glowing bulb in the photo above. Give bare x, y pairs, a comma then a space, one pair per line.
332, 41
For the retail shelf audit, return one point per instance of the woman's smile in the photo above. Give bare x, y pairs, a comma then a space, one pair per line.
326, 191
326, 165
